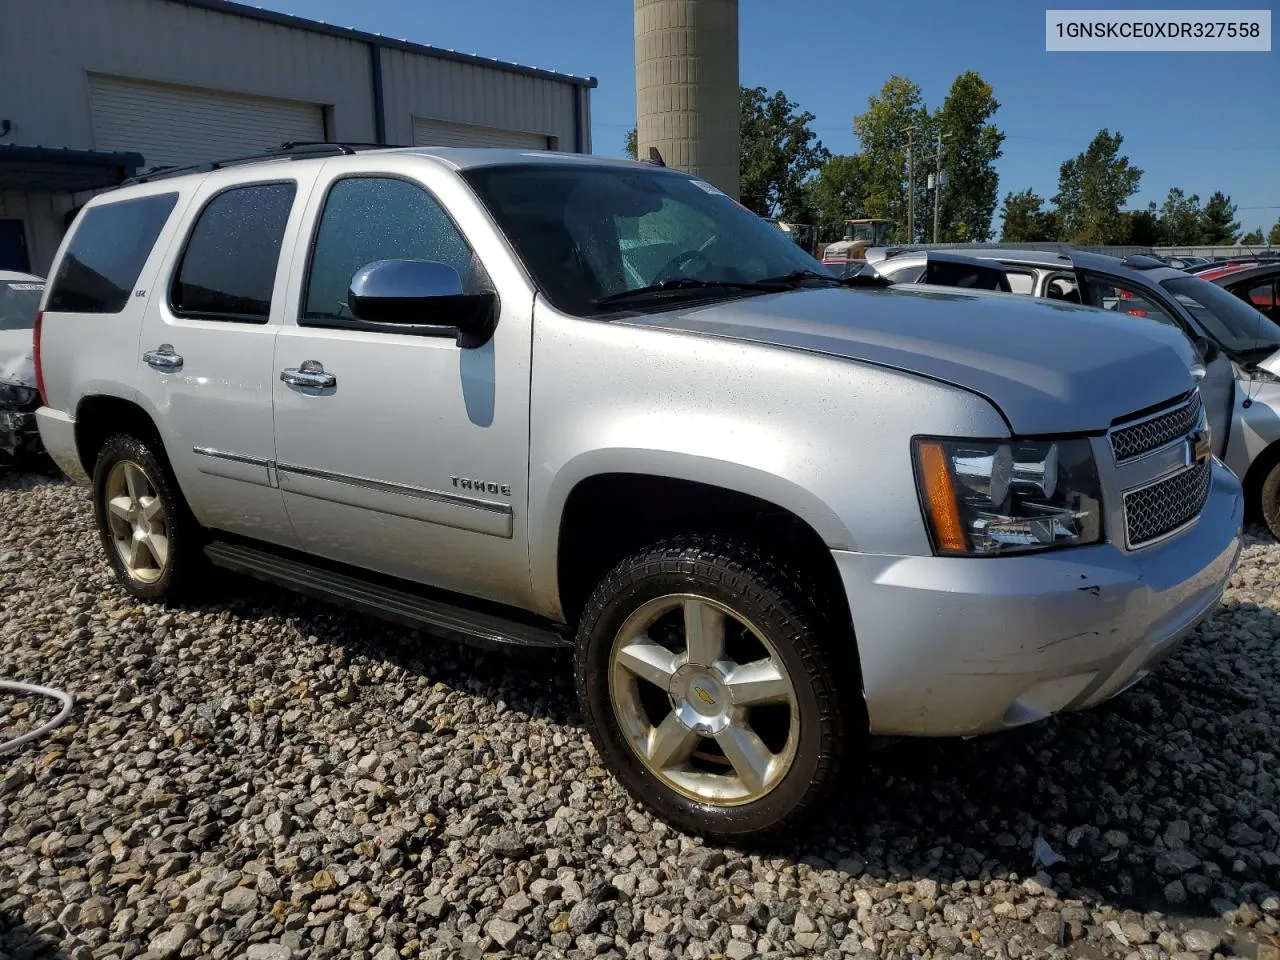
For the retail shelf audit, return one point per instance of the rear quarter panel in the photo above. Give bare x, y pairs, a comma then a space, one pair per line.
826, 438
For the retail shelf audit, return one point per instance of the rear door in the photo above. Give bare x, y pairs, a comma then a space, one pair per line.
207, 346
1217, 389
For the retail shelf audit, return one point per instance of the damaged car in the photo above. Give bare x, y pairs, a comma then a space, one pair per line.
19, 398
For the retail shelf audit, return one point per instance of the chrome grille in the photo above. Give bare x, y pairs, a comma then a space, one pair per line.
1166, 505
1155, 432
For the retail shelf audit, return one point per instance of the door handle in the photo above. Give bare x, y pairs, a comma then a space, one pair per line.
310, 373
162, 358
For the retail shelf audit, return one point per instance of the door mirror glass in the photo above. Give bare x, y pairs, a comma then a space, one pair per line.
422, 293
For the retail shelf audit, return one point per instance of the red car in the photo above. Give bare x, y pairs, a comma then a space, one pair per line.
1257, 284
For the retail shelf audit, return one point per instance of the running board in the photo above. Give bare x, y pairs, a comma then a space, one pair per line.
476, 627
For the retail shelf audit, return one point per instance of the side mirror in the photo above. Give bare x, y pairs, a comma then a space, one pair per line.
422, 293
1208, 349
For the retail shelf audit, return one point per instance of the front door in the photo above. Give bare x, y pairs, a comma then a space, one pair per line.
207, 353
1217, 389
399, 451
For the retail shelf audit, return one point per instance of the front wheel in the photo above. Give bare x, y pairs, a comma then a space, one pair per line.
716, 689
1270, 497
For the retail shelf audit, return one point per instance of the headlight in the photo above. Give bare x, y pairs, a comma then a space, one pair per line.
993, 497
16, 395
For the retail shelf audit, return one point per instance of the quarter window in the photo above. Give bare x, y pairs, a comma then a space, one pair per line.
228, 270
379, 218
107, 252
1262, 296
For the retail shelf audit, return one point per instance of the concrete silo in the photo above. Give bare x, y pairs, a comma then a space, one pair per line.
687, 101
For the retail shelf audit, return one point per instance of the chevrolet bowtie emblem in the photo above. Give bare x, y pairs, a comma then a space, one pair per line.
704, 696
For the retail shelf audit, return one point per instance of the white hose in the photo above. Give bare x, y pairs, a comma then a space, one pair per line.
30, 688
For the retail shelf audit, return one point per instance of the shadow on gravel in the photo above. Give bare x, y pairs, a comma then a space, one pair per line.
19, 942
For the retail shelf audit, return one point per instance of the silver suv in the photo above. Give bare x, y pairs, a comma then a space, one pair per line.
550, 401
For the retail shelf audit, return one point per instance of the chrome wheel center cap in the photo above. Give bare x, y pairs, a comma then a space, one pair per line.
700, 699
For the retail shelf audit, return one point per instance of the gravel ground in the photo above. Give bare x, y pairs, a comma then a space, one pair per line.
266, 777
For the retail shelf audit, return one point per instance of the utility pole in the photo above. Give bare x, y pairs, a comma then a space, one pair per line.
911, 186
937, 188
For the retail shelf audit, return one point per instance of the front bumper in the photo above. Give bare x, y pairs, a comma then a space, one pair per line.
955, 646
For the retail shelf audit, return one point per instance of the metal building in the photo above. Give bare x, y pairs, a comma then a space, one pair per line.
91, 90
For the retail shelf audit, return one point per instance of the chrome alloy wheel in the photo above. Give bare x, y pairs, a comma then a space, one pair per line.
704, 700
137, 522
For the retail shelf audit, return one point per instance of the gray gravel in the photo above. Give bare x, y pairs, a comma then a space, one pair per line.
266, 777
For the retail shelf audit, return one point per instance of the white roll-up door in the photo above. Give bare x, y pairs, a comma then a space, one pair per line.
449, 133
176, 125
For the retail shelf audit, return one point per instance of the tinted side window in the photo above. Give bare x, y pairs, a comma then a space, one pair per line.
908, 274
229, 267
966, 275
1105, 293
379, 218
1262, 295
106, 254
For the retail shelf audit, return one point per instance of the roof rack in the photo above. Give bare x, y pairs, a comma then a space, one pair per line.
290, 150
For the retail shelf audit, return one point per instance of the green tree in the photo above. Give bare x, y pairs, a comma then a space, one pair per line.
1144, 226
1180, 218
838, 193
779, 153
1025, 220
1091, 189
882, 131
1218, 223
1273, 237
631, 144
971, 147
1253, 238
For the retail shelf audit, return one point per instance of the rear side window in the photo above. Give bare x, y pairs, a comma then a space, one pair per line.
971, 276
228, 269
106, 254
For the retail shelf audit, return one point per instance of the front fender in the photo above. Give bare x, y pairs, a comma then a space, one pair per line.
825, 438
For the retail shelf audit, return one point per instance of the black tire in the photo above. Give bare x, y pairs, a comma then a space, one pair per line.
1270, 500
817, 653
185, 569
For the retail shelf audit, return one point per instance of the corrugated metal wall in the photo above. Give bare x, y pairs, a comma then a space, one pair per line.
47, 48
420, 86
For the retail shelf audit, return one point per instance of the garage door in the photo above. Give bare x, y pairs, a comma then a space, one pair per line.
171, 125
447, 133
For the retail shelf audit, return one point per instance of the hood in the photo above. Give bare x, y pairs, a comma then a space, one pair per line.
16, 362
1049, 367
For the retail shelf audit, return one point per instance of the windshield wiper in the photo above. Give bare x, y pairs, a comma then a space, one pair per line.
690, 283
797, 278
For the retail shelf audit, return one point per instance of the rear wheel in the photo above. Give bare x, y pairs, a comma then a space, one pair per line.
152, 541
715, 689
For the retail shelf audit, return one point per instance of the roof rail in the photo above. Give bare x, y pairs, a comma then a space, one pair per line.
290, 150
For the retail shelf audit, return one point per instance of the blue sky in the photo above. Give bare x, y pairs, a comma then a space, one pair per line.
1201, 121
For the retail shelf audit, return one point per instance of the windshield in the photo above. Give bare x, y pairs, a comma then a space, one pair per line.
859, 231
1237, 327
588, 235
19, 301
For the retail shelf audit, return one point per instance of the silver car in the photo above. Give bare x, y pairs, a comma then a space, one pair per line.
19, 300
1240, 348
555, 402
